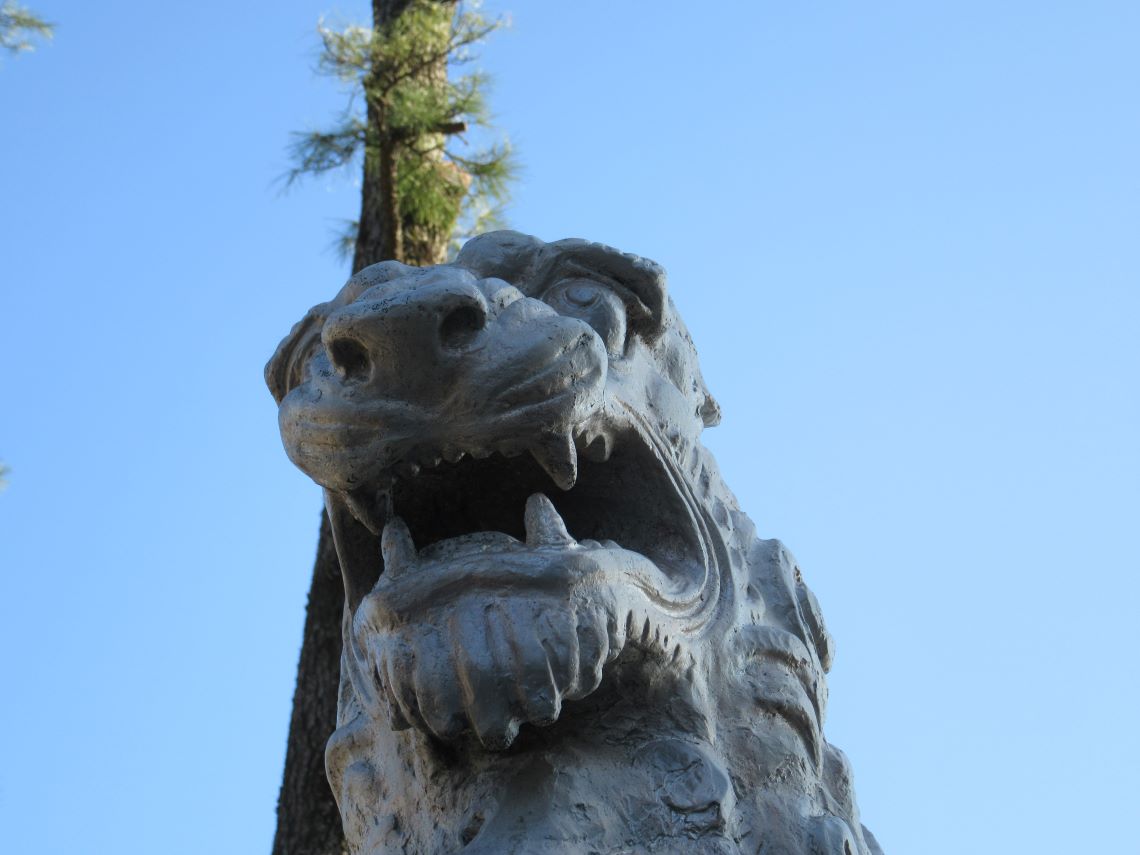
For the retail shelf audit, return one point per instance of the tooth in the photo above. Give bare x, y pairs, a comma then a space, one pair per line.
510, 448
544, 526
452, 454
598, 447
397, 547
557, 455
366, 509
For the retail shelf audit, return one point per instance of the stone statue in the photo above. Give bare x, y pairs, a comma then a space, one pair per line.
561, 635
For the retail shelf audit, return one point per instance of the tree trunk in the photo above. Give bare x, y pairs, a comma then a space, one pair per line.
379, 232
308, 822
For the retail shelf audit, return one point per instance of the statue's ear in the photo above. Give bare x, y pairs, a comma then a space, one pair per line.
286, 368
710, 411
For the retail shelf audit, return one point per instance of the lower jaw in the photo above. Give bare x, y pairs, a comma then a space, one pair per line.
488, 664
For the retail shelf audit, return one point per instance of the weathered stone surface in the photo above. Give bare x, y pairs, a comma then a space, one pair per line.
561, 634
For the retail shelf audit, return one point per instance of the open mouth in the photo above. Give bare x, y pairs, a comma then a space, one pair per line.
620, 494
500, 587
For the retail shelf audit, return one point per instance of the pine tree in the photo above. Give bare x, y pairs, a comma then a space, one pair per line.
406, 124
418, 188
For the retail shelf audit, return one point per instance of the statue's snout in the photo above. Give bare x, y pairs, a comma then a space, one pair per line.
406, 335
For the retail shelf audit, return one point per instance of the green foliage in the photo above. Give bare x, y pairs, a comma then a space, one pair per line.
18, 26
407, 99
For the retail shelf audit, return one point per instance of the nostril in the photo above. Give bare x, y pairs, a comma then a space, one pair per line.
350, 358
461, 325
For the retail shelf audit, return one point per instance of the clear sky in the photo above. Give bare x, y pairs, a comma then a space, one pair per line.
905, 236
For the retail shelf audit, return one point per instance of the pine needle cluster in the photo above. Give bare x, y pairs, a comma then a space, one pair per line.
18, 26
408, 117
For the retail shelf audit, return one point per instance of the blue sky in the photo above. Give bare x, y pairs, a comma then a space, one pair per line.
903, 235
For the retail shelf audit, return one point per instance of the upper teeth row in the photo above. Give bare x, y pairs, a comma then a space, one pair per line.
556, 453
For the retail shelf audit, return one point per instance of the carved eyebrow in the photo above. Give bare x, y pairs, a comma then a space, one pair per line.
638, 281
571, 270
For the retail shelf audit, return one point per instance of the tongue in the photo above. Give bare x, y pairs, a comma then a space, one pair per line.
544, 527
470, 544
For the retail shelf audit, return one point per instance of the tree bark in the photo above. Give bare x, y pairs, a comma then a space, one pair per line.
308, 821
379, 232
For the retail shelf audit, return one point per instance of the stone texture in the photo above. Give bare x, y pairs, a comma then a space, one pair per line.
560, 632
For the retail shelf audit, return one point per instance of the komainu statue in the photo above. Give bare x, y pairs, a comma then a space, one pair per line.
561, 634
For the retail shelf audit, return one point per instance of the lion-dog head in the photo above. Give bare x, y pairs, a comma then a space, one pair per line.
531, 536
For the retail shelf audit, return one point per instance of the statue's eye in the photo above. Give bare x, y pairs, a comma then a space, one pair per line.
582, 294
596, 304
